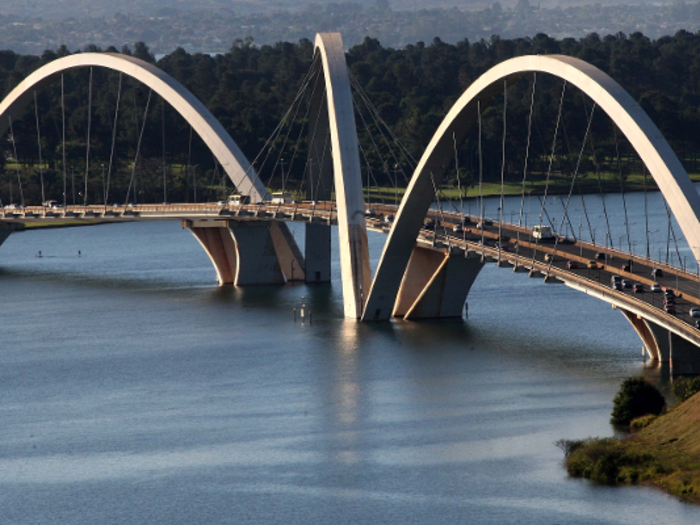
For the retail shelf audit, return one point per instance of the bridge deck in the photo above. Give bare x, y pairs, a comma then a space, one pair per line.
525, 253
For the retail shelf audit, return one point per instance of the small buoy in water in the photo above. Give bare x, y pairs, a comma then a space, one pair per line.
79, 254
39, 254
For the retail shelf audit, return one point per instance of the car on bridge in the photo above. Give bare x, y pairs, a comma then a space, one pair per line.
542, 233
626, 283
656, 288
616, 285
600, 256
670, 309
638, 288
626, 268
457, 228
592, 265
571, 265
657, 272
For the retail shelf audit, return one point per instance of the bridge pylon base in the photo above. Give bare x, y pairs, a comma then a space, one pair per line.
317, 251
436, 284
664, 346
249, 252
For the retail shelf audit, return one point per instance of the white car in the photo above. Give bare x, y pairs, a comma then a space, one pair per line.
457, 228
221, 203
694, 311
656, 288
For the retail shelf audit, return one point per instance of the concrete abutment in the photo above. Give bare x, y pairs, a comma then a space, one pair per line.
249, 252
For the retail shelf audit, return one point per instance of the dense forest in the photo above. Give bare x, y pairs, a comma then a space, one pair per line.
250, 88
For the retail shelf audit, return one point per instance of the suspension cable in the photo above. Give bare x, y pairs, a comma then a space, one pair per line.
503, 168
313, 132
63, 126
114, 138
481, 179
527, 157
571, 188
165, 181
41, 160
671, 234
622, 189
87, 151
138, 148
189, 162
315, 65
374, 113
14, 152
608, 233
578, 187
549, 170
646, 209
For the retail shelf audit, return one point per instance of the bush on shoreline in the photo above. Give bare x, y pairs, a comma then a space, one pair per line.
636, 398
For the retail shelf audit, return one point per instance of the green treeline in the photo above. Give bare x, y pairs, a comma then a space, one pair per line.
250, 88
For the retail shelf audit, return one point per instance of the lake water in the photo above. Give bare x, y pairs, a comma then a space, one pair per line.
133, 390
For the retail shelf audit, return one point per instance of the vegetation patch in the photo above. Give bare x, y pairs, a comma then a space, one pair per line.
637, 397
663, 451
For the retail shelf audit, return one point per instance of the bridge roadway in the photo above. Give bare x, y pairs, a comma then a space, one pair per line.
517, 249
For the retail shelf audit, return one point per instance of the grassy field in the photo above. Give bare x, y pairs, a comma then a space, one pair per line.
557, 185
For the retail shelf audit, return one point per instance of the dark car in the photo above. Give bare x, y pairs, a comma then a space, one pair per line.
617, 285
638, 288
571, 265
670, 309
600, 256
657, 272
626, 268
668, 292
626, 283
697, 324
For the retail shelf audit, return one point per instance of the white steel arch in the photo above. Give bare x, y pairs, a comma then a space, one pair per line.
642, 133
192, 110
347, 174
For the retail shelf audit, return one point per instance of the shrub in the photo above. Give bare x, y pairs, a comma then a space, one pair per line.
636, 398
684, 387
607, 461
639, 423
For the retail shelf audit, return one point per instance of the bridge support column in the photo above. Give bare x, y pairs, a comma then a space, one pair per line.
436, 285
249, 252
645, 334
682, 356
318, 253
217, 241
290, 258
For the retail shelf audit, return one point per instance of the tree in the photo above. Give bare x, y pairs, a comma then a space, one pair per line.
636, 398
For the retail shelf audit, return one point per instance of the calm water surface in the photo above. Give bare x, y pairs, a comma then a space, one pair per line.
133, 390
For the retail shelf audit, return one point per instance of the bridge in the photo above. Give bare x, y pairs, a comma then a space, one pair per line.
431, 257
